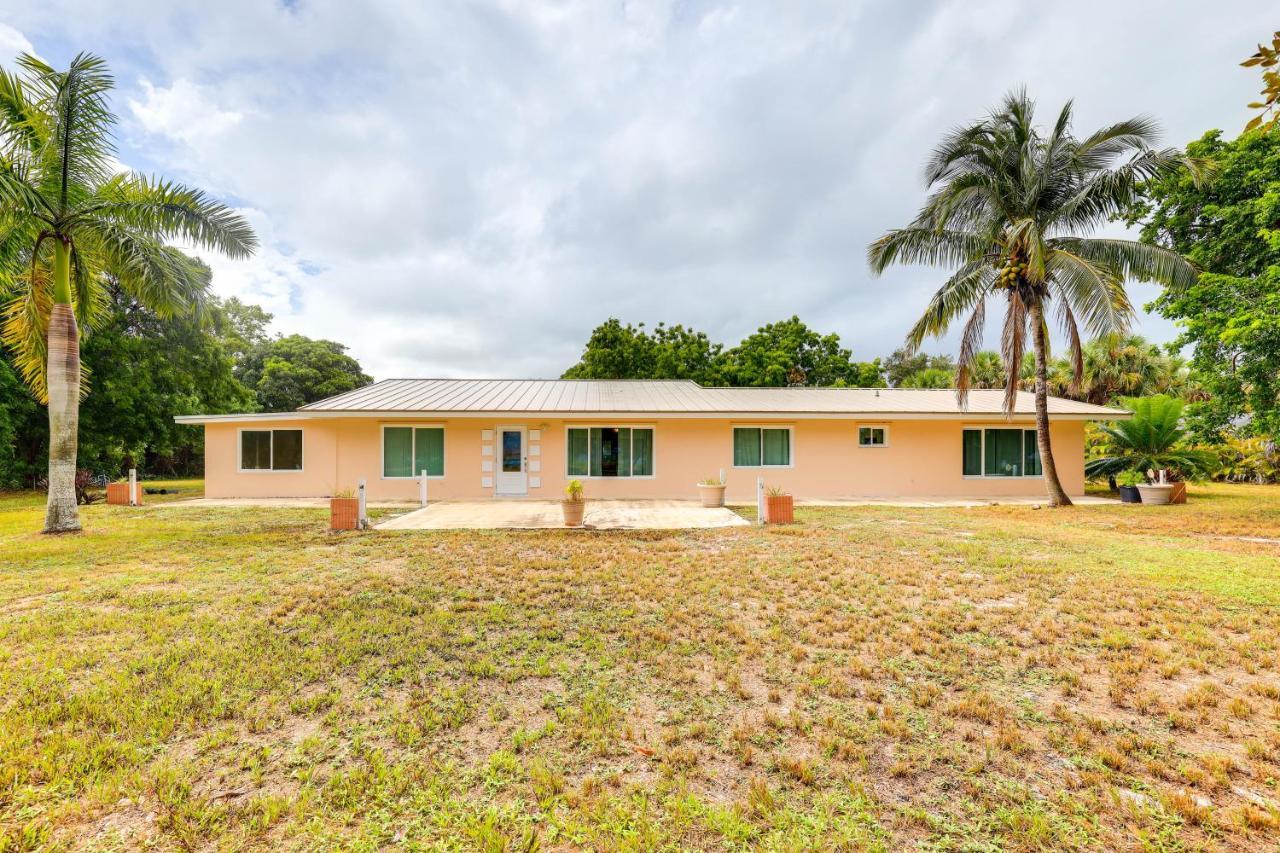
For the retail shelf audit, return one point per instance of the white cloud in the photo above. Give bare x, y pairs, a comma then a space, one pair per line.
12, 44
467, 189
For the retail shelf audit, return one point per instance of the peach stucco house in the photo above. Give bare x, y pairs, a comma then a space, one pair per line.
507, 438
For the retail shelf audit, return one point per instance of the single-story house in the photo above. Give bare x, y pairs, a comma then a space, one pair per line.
514, 438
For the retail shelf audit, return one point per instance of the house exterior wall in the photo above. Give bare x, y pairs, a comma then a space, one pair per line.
923, 459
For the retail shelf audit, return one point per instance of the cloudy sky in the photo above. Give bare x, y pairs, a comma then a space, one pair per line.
467, 189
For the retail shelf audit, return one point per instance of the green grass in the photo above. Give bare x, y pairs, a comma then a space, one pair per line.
985, 678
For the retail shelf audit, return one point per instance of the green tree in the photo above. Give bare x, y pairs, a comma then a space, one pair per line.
1009, 210
66, 221
1267, 58
930, 377
790, 353
241, 326
21, 431
146, 369
615, 351
289, 372
904, 362
988, 370
1229, 224
1152, 440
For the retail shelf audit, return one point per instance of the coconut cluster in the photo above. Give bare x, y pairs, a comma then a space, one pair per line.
1013, 270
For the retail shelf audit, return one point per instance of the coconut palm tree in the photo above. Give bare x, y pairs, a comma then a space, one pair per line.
1010, 211
68, 223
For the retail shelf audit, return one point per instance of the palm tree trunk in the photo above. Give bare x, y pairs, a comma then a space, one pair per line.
62, 514
1040, 337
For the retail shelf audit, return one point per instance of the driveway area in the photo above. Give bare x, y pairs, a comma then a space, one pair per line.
600, 515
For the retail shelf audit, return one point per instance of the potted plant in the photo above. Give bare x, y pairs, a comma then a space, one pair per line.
118, 493
1157, 492
1127, 482
344, 511
574, 505
711, 491
779, 507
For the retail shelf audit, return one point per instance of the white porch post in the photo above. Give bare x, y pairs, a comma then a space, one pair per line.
422, 488
363, 520
133, 487
760, 502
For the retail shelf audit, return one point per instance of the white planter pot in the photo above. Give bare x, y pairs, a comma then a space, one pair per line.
711, 495
1157, 493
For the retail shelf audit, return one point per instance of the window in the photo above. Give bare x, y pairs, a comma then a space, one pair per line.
1001, 453
873, 436
270, 450
409, 450
754, 447
610, 452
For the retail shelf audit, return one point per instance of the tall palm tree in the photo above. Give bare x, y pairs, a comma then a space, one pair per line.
1010, 210
68, 222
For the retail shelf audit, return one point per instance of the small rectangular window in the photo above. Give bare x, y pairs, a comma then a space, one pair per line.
271, 450
873, 436
755, 447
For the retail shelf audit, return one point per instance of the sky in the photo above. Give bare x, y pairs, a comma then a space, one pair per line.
459, 189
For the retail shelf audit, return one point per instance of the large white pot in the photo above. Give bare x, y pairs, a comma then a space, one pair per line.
1156, 493
712, 495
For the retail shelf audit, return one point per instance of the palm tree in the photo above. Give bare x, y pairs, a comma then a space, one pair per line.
1010, 210
68, 223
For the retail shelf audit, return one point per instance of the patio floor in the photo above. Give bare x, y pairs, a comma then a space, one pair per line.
600, 515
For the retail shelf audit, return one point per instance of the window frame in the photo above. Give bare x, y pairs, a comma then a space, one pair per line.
653, 430
791, 446
271, 454
883, 427
982, 456
413, 448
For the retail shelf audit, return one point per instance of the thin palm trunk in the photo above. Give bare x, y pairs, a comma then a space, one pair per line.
63, 514
1040, 338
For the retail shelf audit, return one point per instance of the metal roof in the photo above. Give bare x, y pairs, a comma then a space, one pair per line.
672, 397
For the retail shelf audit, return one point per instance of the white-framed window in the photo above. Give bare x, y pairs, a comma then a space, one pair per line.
264, 450
408, 449
1000, 452
873, 435
762, 446
609, 451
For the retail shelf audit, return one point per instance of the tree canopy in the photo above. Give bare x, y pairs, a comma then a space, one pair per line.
287, 372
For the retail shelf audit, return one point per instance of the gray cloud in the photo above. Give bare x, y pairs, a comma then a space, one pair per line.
468, 188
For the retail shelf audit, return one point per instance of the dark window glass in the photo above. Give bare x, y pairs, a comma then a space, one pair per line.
511, 452
1004, 453
578, 454
255, 450
397, 452
746, 446
973, 453
642, 452
1031, 454
286, 451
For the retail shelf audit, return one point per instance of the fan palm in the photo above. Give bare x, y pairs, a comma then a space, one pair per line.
1152, 440
68, 223
1010, 210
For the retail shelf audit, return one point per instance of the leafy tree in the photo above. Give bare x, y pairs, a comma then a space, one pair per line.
241, 326
904, 362
790, 353
615, 351
289, 372
66, 222
1268, 58
146, 369
988, 370
1228, 223
1009, 210
1152, 440
21, 431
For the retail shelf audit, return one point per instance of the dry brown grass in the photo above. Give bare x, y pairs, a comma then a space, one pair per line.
1101, 677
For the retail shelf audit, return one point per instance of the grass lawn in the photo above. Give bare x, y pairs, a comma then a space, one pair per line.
988, 678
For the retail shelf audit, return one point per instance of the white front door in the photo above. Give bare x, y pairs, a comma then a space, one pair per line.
513, 466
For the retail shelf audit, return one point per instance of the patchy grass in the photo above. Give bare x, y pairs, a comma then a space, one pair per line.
996, 677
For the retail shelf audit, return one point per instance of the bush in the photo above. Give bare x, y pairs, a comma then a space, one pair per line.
1248, 460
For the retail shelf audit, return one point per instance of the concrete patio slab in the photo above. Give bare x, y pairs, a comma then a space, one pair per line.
600, 515
317, 503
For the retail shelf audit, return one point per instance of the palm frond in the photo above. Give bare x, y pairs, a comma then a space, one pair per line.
925, 246
1095, 292
159, 276
1013, 343
1133, 260
962, 292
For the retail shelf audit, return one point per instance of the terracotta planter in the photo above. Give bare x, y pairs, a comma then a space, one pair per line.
1156, 494
779, 509
573, 512
344, 513
711, 495
1179, 493
118, 494
1129, 495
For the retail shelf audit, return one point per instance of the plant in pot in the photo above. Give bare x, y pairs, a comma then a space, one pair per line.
712, 491
779, 507
344, 510
573, 505
1152, 440
1127, 482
